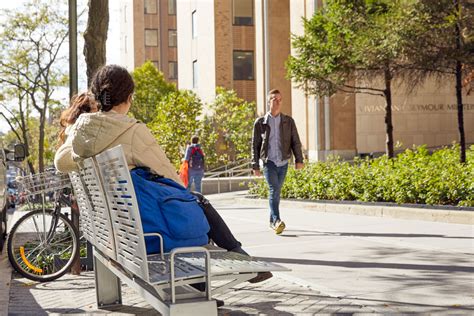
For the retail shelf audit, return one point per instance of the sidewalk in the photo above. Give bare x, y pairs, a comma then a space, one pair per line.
76, 295
341, 264
5, 279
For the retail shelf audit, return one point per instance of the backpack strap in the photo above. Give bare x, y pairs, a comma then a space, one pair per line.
198, 149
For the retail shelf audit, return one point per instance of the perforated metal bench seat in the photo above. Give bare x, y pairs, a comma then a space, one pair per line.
193, 265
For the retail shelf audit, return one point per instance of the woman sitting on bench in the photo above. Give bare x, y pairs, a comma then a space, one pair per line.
92, 133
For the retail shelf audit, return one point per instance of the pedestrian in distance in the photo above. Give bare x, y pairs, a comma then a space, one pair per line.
274, 140
195, 158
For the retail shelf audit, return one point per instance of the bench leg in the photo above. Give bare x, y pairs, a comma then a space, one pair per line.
107, 285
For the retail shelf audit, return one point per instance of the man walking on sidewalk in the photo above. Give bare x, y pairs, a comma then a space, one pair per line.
274, 139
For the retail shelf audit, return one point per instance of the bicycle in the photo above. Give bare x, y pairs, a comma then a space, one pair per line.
43, 244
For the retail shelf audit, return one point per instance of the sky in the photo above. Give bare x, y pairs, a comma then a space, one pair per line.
113, 45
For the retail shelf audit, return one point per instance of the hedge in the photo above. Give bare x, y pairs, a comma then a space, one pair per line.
414, 176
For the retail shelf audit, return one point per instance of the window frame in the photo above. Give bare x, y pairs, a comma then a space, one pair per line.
233, 15
195, 74
233, 64
169, 68
176, 38
172, 6
156, 63
157, 38
194, 24
144, 7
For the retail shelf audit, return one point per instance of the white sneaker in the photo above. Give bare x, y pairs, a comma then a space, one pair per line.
278, 227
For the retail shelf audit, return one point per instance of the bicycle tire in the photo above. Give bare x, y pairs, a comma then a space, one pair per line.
42, 261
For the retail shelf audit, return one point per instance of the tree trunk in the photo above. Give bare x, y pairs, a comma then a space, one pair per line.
24, 133
95, 36
388, 113
31, 167
76, 265
27, 148
462, 140
24, 130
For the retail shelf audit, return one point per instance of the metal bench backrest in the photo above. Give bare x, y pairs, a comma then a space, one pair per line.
85, 207
101, 223
123, 206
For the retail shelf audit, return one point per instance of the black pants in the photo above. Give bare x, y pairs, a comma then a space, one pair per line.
219, 231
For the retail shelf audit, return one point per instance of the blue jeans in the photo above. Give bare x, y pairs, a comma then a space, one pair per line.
275, 177
197, 179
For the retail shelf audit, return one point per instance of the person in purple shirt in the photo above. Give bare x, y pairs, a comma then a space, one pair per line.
195, 158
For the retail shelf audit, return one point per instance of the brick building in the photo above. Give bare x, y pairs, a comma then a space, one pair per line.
148, 32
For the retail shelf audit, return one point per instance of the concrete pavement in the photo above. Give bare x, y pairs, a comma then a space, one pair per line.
382, 262
342, 264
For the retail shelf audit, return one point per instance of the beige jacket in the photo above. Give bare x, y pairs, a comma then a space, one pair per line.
95, 132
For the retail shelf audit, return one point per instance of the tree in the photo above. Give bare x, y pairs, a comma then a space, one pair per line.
31, 42
95, 36
227, 131
150, 88
17, 118
356, 47
446, 37
175, 122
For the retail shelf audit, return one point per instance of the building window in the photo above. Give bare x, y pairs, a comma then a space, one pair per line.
151, 37
243, 65
125, 14
195, 74
173, 70
156, 63
243, 12
172, 7
151, 7
125, 42
172, 38
194, 23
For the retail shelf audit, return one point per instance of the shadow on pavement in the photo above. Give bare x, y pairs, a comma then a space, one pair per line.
375, 265
260, 308
304, 233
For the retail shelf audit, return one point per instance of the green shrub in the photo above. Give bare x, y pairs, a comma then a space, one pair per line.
414, 176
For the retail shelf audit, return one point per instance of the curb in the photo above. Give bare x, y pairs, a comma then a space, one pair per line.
5, 281
402, 212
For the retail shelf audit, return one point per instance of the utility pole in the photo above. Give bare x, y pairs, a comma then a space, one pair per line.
73, 89
73, 85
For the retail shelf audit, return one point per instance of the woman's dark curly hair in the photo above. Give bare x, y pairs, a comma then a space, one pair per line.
111, 85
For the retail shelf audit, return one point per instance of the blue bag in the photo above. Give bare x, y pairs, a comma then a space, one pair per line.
168, 208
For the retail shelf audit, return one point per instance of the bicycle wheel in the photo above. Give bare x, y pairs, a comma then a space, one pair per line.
38, 255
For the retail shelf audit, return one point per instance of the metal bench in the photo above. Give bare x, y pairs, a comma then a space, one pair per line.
111, 222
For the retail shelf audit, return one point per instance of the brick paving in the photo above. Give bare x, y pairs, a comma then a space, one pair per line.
76, 295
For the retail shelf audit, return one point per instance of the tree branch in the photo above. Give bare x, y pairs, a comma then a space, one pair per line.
11, 127
11, 113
